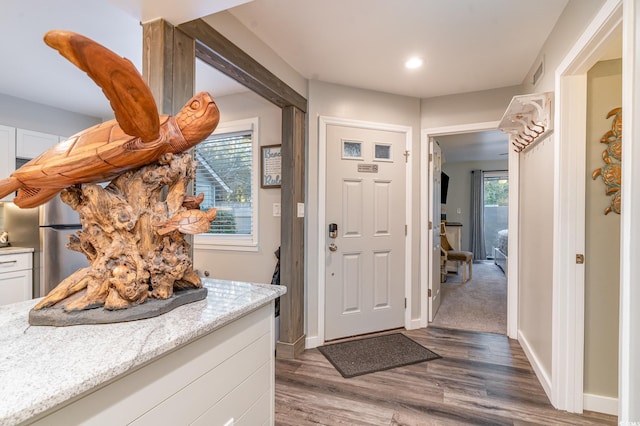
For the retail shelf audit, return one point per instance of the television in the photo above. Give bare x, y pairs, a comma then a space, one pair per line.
444, 187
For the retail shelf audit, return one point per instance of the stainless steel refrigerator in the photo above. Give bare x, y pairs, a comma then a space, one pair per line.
46, 229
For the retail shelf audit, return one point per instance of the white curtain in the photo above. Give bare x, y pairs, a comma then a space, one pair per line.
477, 215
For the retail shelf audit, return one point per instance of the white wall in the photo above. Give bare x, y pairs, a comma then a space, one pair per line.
466, 108
602, 267
28, 115
536, 197
536, 250
459, 194
574, 19
227, 25
251, 266
326, 99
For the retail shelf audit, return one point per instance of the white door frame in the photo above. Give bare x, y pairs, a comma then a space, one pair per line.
323, 123
425, 240
629, 366
567, 375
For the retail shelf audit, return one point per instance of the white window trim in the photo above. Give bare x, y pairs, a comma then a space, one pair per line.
238, 242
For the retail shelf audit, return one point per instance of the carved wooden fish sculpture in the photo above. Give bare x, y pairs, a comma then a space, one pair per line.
188, 222
138, 136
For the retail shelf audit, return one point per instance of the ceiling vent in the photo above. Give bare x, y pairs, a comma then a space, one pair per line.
538, 73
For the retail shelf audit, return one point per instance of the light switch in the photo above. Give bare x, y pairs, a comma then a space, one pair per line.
459, 210
300, 209
276, 209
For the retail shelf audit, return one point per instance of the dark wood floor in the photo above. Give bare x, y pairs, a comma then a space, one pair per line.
482, 378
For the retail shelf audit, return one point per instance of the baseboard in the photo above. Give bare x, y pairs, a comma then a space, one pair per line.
313, 342
414, 324
542, 375
600, 404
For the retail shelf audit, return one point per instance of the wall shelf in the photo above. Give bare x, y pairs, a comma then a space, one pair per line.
528, 119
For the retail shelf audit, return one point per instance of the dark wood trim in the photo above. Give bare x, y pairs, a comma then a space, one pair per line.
169, 68
217, 51
168, 65
291, 342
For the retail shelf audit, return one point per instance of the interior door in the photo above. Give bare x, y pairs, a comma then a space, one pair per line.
435, 155
365, 214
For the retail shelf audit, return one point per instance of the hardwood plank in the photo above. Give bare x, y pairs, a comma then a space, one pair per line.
482, 378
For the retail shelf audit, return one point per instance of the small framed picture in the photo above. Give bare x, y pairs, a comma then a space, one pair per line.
271, 166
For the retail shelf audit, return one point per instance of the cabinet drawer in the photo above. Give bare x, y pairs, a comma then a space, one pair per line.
15, 262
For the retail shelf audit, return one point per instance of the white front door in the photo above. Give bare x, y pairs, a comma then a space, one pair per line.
365, 199
435, 155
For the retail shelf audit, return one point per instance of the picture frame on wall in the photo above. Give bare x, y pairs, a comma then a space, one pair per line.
271, 166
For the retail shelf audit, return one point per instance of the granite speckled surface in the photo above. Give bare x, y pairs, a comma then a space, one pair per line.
42, 367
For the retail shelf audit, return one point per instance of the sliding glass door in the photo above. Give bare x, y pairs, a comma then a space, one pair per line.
496, 208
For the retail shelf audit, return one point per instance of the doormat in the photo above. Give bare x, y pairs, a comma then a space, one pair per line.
371, 354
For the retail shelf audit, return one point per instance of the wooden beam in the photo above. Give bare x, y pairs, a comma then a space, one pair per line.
292, 338
217, 51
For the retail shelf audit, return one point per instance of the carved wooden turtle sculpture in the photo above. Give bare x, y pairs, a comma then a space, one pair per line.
188, 222
138, 136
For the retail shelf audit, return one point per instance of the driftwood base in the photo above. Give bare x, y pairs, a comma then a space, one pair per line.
133, 236
58, 317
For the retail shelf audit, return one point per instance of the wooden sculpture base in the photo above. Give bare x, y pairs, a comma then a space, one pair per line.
128, 235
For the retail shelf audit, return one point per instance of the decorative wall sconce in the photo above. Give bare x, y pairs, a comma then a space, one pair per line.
527, 119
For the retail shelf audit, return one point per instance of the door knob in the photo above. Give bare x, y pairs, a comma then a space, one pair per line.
333, 247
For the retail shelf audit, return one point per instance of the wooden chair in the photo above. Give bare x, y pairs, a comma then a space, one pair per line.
461, 257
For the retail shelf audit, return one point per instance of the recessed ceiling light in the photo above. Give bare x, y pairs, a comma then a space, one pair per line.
413, 63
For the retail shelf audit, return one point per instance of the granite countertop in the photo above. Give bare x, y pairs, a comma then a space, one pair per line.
42, 367
15, 250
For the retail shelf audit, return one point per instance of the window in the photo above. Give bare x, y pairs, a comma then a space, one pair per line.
226, 175
496, 208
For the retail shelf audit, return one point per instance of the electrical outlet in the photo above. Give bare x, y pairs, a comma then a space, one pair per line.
276, 210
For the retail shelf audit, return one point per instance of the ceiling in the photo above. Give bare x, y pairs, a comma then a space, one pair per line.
466, 45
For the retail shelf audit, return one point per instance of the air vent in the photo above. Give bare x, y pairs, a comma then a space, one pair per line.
539, 72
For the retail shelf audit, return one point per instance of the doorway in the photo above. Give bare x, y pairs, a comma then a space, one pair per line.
511, 272
397, 153
365, 257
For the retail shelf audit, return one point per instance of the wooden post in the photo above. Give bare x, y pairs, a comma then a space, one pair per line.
292, 337
214, 49
169, 68
168, 65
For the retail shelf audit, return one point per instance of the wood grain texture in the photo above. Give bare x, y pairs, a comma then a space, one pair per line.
132, 238
482, 378
292, 233
214, 49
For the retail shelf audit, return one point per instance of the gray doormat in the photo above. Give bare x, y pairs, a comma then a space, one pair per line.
371, 354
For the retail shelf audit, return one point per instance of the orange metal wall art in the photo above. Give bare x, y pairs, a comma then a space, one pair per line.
611, 172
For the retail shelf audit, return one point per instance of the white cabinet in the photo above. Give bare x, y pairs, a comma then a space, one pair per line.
224, 375
7, 154
16, 277
30, 144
